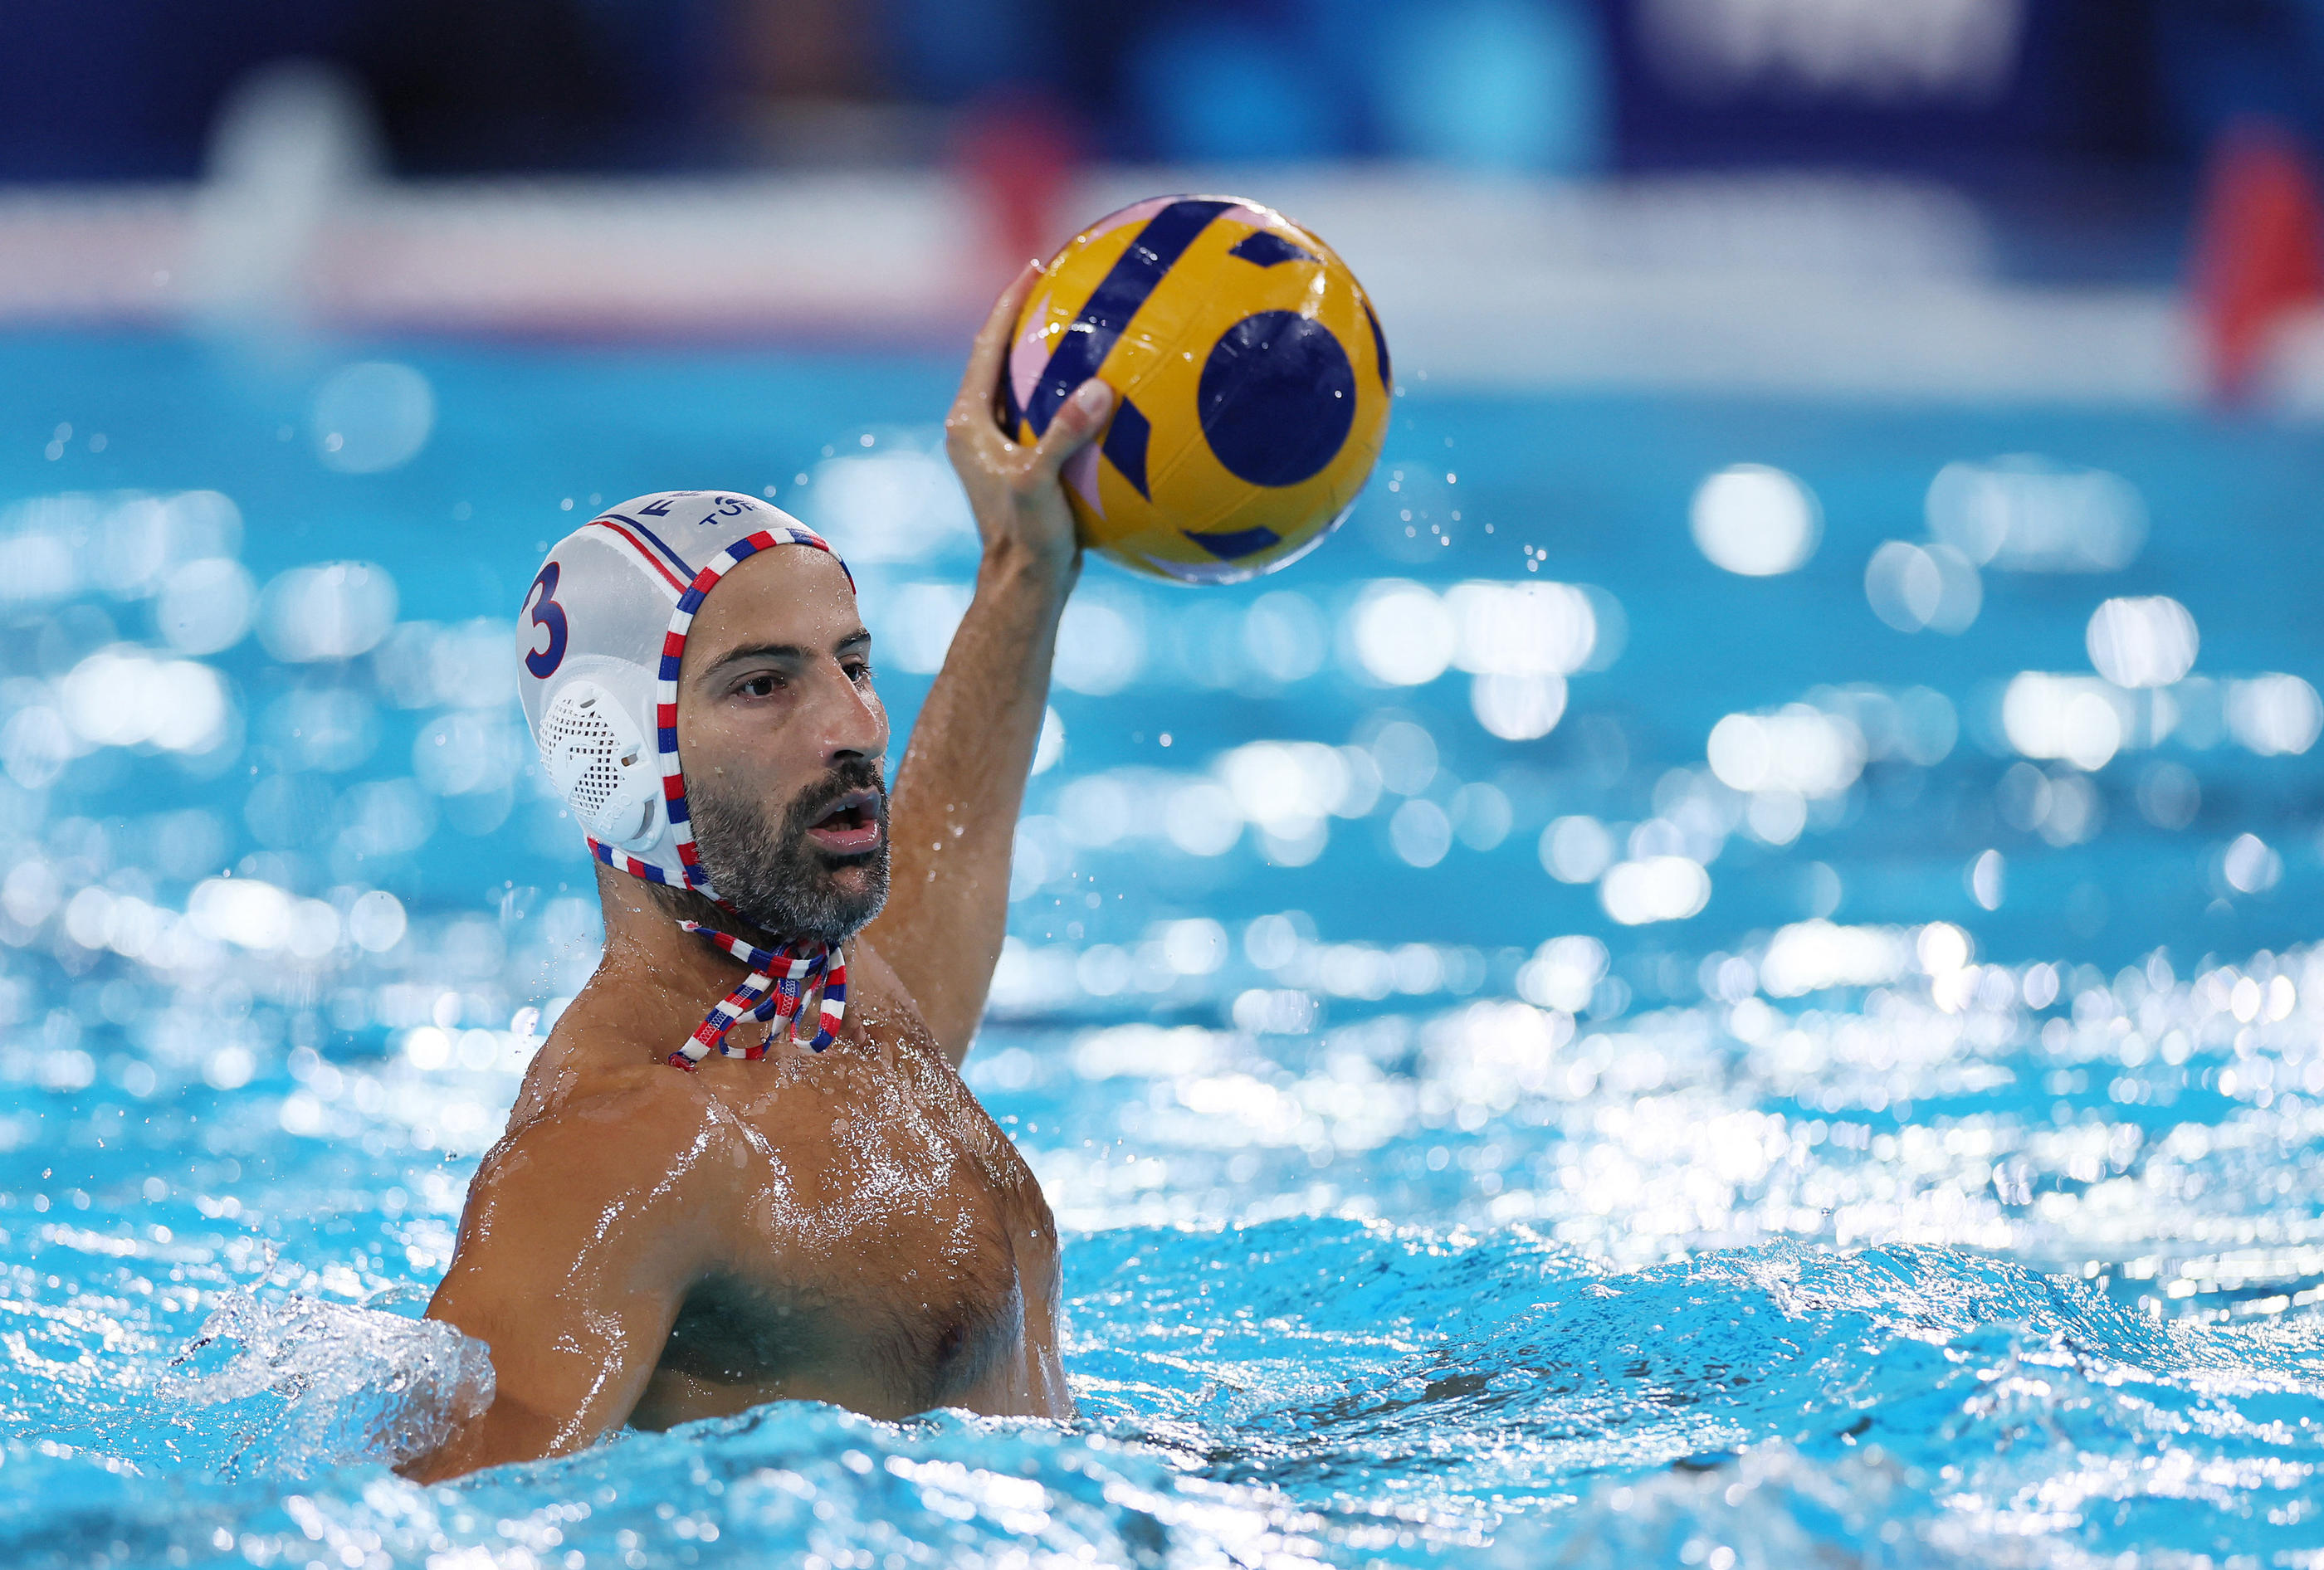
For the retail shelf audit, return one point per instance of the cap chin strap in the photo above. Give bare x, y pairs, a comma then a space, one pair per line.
776, 988
774, 991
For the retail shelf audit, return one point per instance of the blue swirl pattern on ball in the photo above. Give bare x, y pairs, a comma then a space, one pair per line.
1116, 299
1233, 544
1124, 445
1264, 249
1277, 398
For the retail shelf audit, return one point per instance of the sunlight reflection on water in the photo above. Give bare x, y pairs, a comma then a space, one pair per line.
1577, 1058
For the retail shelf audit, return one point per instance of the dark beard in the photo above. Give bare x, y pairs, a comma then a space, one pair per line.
775, 877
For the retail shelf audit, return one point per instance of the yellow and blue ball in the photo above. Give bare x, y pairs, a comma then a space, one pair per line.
1253, 382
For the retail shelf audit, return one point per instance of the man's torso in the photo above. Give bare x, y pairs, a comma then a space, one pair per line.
884, 1246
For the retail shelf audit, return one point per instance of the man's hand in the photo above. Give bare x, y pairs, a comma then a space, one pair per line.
1019, 503
953, 814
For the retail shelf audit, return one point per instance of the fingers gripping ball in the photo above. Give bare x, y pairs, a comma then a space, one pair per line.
1253, 378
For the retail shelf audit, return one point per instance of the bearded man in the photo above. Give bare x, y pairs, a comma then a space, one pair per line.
743, 1167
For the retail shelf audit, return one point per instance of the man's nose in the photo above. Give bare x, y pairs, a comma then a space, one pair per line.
849, 718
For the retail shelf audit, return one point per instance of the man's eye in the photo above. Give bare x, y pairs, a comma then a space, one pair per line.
761, 686
859, 670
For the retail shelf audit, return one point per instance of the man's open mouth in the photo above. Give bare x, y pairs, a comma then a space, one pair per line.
851, 827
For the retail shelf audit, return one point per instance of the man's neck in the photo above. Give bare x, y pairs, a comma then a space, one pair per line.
652, 963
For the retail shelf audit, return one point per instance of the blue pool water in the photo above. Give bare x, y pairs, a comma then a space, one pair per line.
1942, 1189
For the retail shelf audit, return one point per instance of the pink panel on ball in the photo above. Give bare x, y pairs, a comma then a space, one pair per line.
1027, 356
1135, 213
1081, 473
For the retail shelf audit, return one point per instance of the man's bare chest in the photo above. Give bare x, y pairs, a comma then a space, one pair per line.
891, 1239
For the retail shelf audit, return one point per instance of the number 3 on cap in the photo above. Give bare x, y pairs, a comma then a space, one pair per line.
547, 612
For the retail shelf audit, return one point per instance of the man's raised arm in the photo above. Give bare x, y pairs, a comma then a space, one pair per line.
952, 813
580, 1240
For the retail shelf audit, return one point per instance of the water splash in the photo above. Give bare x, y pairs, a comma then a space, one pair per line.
288, 1387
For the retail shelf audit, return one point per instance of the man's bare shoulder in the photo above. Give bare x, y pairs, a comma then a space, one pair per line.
589, 1104
616, 1136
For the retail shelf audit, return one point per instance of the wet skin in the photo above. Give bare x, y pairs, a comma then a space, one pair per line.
646, 1245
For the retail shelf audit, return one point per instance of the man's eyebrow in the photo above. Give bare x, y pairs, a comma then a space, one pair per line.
785, 653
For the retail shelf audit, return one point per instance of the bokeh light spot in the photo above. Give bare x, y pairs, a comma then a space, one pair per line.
1755, 521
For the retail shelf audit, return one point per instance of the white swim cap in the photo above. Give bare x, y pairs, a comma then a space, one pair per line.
598, 644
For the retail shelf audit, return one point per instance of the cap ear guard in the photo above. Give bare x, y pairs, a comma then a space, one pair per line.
601, 765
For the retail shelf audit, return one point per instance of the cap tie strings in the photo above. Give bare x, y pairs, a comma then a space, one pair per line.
776, 990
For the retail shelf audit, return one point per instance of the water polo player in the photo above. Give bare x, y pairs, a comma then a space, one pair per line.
743, 1168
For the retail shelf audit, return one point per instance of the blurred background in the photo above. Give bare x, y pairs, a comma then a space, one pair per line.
2038, 140
2000, 93
1854, 469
